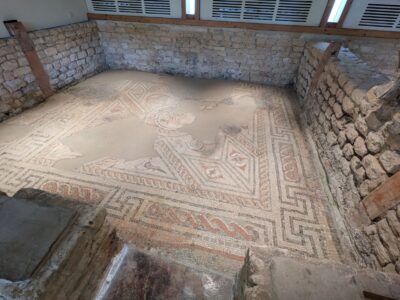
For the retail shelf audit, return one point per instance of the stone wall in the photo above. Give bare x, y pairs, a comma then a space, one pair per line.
18, 88
68, 53
356, 134
248, 55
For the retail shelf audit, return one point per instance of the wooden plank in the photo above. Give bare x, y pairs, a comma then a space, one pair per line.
252, 26
327, 12
345, 13
346, 10
18, 31
197, 11
331, 51
383, 198
183, 6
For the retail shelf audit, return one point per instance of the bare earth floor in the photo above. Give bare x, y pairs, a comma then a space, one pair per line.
195, 170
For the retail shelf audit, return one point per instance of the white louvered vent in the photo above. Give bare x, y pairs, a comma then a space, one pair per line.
374, 14
223, 9
289, 12
104, 6
259, 10
151, 8
157, 7
130, 6
293, 11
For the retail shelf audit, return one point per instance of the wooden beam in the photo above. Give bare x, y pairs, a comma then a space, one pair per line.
252, 26
346, 10
197, 14
383, 198
326, 14
183, 6
331, 51
18, 31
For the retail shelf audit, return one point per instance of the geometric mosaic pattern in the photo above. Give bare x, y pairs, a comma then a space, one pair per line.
228, 165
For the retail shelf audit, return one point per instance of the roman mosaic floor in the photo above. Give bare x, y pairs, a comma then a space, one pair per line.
195, 170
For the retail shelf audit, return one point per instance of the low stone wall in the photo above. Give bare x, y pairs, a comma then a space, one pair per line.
68, 53
248, 55
356, 134
18, 88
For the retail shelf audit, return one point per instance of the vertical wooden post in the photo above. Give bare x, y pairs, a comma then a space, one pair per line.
183, 5
344, 13
18, 31
197, 12
327, 12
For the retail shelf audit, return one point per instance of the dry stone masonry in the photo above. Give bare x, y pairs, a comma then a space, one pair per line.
18, 88
68, 53
357, 137
248, 55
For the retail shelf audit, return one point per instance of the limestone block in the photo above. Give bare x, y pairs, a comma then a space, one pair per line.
331, 101
348, 105
393, 222
348, 151
374, 142
371, 229
14, 85
342, 79
359, 147
337, 109
361, 126
340, 95
379, 250
351, 133
342, 138
358, 96
372, 167
390, 161
349, 87
357, 168
345, 166
50, 51
334, 88
331, 139
388, 239
9, 65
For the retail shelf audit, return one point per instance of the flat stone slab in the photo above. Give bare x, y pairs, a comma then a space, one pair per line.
28, 230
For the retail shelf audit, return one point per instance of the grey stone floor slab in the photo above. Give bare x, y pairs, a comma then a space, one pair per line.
27, 232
